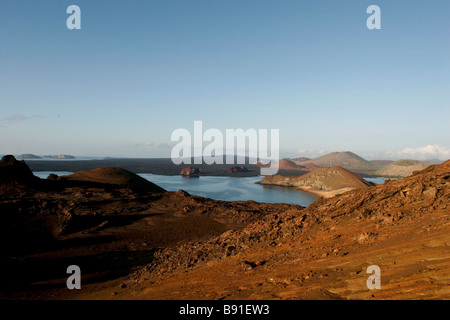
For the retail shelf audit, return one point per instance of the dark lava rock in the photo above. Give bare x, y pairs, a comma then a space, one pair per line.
13, 170
236, 170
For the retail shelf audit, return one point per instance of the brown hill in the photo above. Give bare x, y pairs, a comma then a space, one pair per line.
347, 160
323, 181
286, 164
402, 168
290, 165
114, 176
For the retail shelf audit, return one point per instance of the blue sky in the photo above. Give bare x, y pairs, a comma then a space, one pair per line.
137, 70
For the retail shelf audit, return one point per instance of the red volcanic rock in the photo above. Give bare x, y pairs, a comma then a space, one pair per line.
190, 171
402, 223
236, 170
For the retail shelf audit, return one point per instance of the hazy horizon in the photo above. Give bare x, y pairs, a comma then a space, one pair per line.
97, 157
136, 71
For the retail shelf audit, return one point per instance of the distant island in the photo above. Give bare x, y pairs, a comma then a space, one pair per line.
29, 156
325, 182
59, 156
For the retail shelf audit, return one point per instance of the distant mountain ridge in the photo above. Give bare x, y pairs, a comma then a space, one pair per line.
300, 159
347, 160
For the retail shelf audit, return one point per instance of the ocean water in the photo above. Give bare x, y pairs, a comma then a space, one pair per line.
375, 180
232, 189
44, 174
222, 188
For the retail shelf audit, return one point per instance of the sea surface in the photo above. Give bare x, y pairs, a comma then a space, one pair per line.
44, 174
226, 188
375, 180
232, 189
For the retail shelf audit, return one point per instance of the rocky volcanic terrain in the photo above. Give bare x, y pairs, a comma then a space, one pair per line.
108, 221
136, 244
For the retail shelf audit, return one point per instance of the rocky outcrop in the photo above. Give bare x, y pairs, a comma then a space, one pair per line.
190, 172
13, 170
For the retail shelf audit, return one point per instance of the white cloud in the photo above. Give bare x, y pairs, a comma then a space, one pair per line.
423, 153
19, 117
